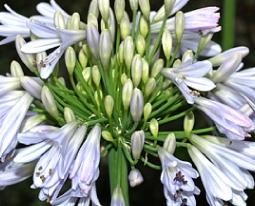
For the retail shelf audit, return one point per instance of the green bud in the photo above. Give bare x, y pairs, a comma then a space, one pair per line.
70, 60
167, 44
177, 63
75, 21
140, 44
59, 20
104, 7
111, 25
204, 42
121, 53
69, 23
137, 143
83, 59
62, 81
108, 104
96, 76
179, 25
107, 136
160, 15
145, 8
93, 8
27, 59
119, 9
32, 122
189, 122
127, 92
129, 50
16, 70
125, 26
136, 70
105, 47
98, 95
157, 67
133, 5
149, 87
188, 56
49, 102
92, 20
170, 143
147, 111
146, 71
124, 78
143, 27
136, 105
86, 73
168, 6
69, 115
166, 84
154, 127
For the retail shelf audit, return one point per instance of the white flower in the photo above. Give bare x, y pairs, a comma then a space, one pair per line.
226, 176
177, 177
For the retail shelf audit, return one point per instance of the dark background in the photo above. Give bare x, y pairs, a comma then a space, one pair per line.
150, 192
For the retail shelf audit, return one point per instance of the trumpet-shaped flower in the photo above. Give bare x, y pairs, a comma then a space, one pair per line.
11, 25
230, 122
190, 75
177, 177
227, 169
51, 37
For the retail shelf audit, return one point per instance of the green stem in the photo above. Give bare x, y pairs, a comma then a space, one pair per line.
229, 24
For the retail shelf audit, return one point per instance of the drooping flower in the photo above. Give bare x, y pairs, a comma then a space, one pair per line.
135, 178
230, 122
190, 75
12, 24
177, 177
51, 37
226, 176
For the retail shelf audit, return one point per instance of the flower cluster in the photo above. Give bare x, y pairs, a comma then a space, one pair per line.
122, 80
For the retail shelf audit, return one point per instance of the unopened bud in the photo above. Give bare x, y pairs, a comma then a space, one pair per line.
146, 71
16, 70
75, 21
49, 102
168, 6
124, 78
140, 44
187, 57
149, 87
32, 86
27, 59
62, 81
111, 25
136, 70
59, 20
70, 60
125, 26
83, 59
98, 95
93, 8
107, 136
105, 46
86, 73
96, 76
143, 27
127, 92
135, 178
147, 111
32, 122
154, 127
177, 63
133, 5
119, 9
160, 15
104, 7
189, 122
117, 197
92, 20
179, 26
204, 42
145, 8
69, 115
136, 105
108, 104
157, 67
121, 53
129, 50
167, 43
137, 143
170, 143
93, 40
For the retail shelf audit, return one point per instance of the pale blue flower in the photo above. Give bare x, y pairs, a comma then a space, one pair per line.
230, 122
177, 177
190, 75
